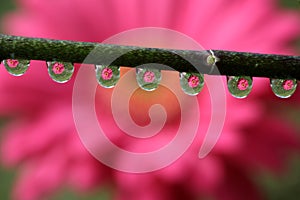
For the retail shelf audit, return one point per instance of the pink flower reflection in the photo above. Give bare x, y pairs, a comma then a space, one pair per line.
193, 81
107, 73
288, 84
242, 84
12, 63
149, 77
58, 68
41, 138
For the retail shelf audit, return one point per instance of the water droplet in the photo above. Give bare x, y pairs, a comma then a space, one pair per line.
107, 76
148, 79
191, 83
16, 67
60, 72
239, 86
283, 88
211, 58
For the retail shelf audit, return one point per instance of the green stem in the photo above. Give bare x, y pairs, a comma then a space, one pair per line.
228, 62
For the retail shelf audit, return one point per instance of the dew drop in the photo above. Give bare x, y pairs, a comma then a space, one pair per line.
16, 67
283, 88
148, 79
239, 86
107, 76
191, 83
60, 72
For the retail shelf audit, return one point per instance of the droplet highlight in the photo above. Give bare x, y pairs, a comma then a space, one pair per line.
283, 88
148, 79
60, 72
191, 83
107, 76
16, 67
239, 86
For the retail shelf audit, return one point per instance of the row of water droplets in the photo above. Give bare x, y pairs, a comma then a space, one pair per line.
60, 72
241, 86
148, 79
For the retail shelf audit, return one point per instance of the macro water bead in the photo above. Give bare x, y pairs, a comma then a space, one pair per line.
60, 72
283, 88
107, 76
191, 83
16, 67
239, 86
148, 79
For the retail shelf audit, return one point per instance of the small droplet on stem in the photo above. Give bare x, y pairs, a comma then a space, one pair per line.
211, 58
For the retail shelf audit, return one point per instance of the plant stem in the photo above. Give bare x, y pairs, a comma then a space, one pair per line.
228, 62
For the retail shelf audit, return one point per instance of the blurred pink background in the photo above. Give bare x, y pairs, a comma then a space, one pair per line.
43, 157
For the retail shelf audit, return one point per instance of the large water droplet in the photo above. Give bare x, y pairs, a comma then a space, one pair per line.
191, 83
239, 86
148, 79
107, 76
283, 88
60, 72
16, 67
